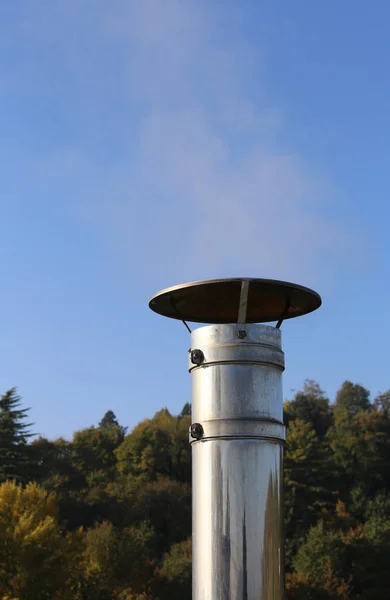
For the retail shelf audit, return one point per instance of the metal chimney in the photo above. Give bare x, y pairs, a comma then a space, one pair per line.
237, 430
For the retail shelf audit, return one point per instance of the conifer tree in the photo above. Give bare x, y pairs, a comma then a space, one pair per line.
14, 433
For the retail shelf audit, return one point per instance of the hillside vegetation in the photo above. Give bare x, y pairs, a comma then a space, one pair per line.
107, 515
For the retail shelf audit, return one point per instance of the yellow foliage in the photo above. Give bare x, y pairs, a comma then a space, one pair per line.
34, 554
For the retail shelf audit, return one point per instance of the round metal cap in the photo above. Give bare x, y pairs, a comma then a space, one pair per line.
238, 300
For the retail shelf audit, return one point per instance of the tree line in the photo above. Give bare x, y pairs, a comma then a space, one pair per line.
107, 514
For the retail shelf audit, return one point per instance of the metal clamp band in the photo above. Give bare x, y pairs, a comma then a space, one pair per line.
241, 429
238, 353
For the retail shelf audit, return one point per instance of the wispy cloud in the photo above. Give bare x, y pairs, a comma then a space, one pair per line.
227, 198
201, 185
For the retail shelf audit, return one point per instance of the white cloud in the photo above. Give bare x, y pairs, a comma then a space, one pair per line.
201, 187
226, 199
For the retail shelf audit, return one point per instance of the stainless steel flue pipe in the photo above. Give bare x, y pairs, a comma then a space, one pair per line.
237, 453
237, 430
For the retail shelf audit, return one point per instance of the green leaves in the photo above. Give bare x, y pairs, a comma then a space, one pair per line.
156, 448
312, 406
131, 494
15, 456
117, 559
173, 578
351, 399
337, 495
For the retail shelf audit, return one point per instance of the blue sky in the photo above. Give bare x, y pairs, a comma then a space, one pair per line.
144, 144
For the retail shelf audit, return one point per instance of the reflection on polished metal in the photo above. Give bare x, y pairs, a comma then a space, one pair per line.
237, 436
237, 464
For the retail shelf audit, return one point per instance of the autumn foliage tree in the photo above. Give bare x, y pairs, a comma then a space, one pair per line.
37, 560
106, 515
